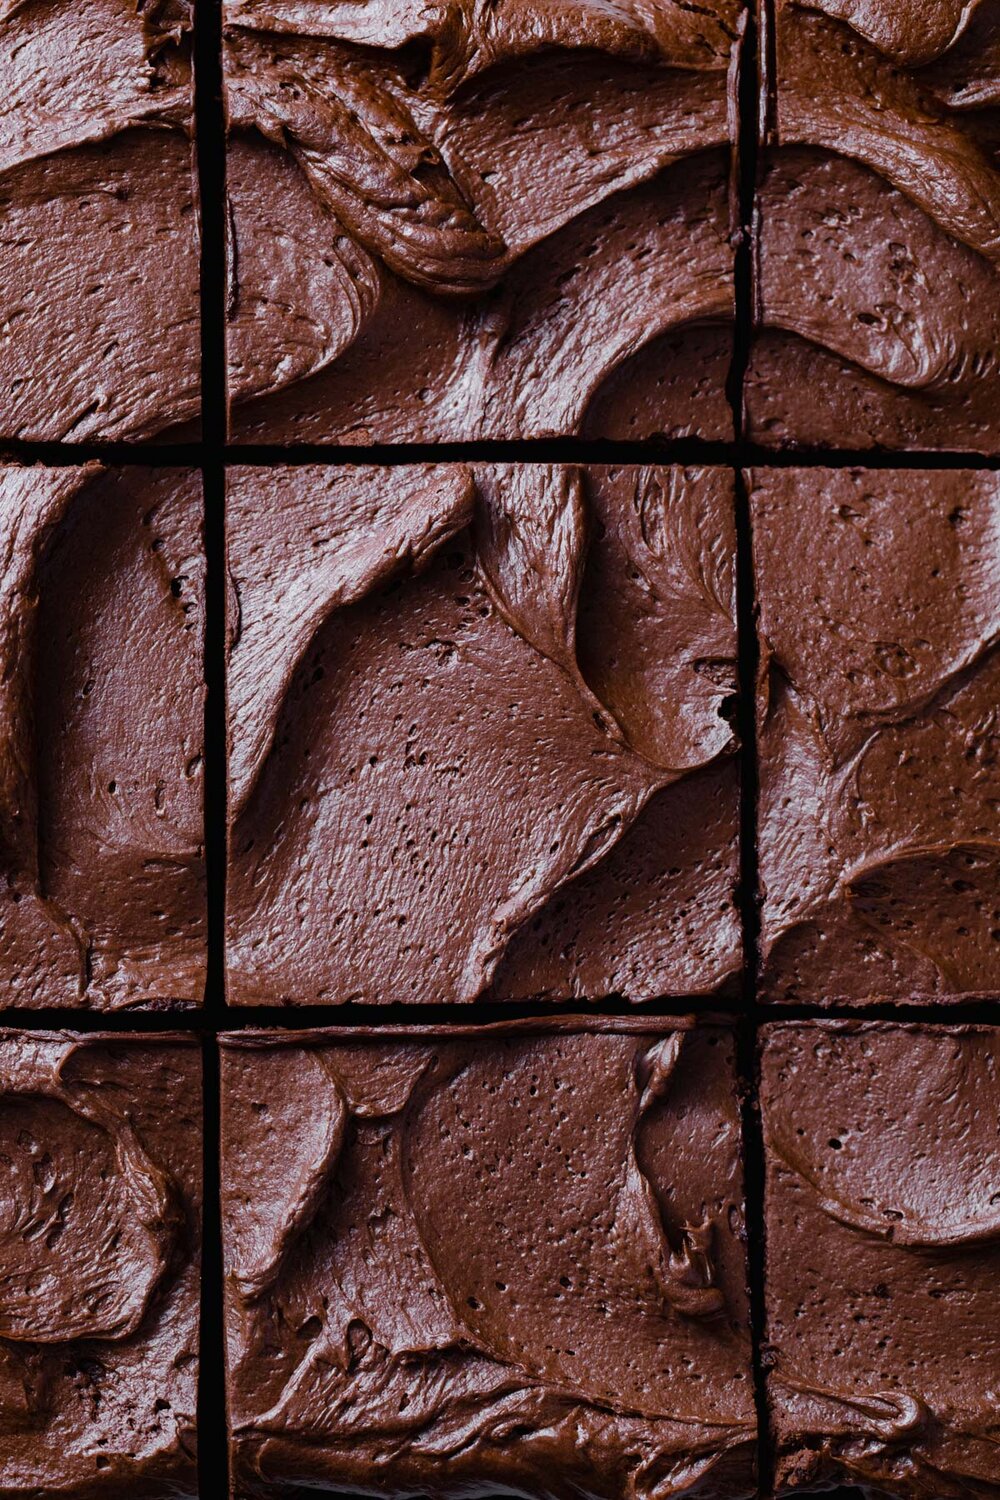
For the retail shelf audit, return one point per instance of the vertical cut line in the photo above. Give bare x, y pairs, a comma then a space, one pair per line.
210, 148
749, 903
216, 790
211, 134
211, 164
750, 104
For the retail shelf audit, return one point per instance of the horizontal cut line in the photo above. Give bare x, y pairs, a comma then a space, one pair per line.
151, 1022
208, 1021
216, 1018
542, 450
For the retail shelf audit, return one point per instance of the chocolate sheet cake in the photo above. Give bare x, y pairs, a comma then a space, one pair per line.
497, 1260
479, 221
882, 1222
99, 319
471, 754
102, 902
879, 837
576, 692
100, 1232
877, 241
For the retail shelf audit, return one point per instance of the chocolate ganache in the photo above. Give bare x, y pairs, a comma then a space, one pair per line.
500, 1260
879, 744
100, 1202
480, 737
462, 220
102, 902
883, 1256
878, 238
99, 333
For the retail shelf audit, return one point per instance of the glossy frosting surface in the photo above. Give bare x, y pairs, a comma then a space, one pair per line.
101, 737
883, 1252
480, 736
451, 221
878, 254
99, 251
100, 1201
879, 846
495, 1261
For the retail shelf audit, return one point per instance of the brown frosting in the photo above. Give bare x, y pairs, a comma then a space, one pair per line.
506, 1259
883, 1252
101, 736
100, 1203
878, 254
475, 718
455, 221
879, 599
99, 253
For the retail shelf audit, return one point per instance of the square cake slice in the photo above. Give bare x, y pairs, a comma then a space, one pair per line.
462, 221
497, 1260
879, 744
481, 742
878, 228
100, 1233
99, 275
882, 1221
102, 879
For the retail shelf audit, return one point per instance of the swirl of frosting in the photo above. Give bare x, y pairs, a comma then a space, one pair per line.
879, 226
878, 725
850, 101
87, 1222
99, 258
101, 734
914, 33
445, 696
919, 1174
415, 196
367, 159
475, 34
882, 1204
440, 1308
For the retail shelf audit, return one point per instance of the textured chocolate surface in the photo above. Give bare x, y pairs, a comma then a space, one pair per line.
503, 1260
451, 221
883, 1223
99, 245
100, 1224
102, 902
879, 844
878, 247
479, 733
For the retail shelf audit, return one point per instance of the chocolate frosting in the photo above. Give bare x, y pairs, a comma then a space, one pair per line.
101, 736
879, 599
100, 1192
879, 227
99, 256
883, 1250
451, 221
507, 1259
475, 716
